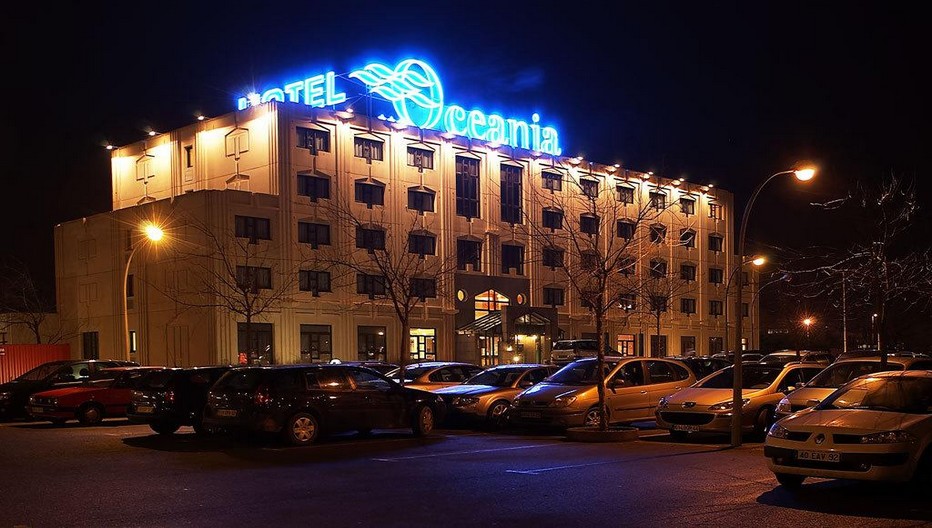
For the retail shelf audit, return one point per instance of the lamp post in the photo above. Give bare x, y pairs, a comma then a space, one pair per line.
153, 233
757, 262
802, 174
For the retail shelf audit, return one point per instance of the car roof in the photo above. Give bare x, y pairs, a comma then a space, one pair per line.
519, 365
901, 373
130, 367
440, 364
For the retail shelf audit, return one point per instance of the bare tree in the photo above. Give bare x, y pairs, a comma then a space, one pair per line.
23, 304
659, 289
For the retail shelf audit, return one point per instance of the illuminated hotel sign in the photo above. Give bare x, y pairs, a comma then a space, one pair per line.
416, 94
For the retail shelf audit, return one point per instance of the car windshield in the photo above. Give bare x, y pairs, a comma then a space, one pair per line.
587, 344
496, 377
841, 373
41, 372
779, 359
412, 372
159, 379
239, 380
752, 377
583, 372
906, 394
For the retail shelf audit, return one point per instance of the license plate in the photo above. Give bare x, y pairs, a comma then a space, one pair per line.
145, 409
36, 410
686, 428
530, 415
226, 413
818, 456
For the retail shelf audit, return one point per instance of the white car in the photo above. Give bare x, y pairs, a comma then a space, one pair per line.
876, 427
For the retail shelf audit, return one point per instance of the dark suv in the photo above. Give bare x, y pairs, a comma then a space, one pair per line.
15, 394
302, 401
170, 398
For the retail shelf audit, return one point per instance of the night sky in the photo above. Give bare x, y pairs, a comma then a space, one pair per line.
714, 92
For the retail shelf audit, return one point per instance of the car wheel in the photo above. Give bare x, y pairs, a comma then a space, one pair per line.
497, 412
679, 436
792, 482
164, 428
423, 421
593, 417
301, 429
763, 422
90, 414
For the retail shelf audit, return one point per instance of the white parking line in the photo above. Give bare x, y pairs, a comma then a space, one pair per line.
538, 471
452, 453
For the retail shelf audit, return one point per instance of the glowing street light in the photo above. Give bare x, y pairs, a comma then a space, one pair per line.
804, 174
759, 261
153, 234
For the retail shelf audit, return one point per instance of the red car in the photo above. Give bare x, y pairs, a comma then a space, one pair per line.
105, 395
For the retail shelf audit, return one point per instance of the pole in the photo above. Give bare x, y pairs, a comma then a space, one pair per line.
125, 308
844, 315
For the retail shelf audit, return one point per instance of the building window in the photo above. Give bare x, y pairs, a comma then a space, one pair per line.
745, 309
627, 301
370, 343
512, 259
422, 244
716, 275
511, 194
627, 265
658, 233
688, 345
313, 139
189, 156
687, 305
658, 200
687, 206
745, 278
687, 238
658, 346
467, 187
589, 224
370, 149
370, 239
489, 301
423, 344
3, 338
715, 308
314, 281
658, 303
715, 211
589, 260
370, 285
421, 200
253, 279
468, 252
90, 345
687, 272
423, 289
625, 194
589, 187
716, 345
553, 297
370, 193
420, 158
553, 219
133, 344
314, 234
130, 289
553, 258
316, 343
552, 181
658, 268
716, 242
314, 187
625, 229
253, 228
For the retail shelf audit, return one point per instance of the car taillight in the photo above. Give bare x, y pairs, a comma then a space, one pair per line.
262, 395
170, 396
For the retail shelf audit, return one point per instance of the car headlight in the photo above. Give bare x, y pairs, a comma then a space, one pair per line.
563, 401
777, 431
784, 406
727, 405
662, 404
32, 399
464, 401
888, 437
5, 395
53, 402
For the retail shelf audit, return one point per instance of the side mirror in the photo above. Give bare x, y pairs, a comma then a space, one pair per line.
616, 383
790, 389
524, 384
812, 403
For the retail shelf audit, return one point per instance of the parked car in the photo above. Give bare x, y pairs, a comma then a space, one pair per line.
487, 396
707, 406
432, 375
747, 355
567, 350
170, 398
868, 353
379, 366
782, 357
839, 373
302, 401
876, 427
569, 398
14, 395
106, 394
702, 366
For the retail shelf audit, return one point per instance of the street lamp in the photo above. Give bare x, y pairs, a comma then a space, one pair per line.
756, 261
153, 234
802, 174
807, 322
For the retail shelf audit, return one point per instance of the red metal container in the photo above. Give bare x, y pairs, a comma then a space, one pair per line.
18, 359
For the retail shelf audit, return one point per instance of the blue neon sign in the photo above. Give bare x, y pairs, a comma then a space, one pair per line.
416, 93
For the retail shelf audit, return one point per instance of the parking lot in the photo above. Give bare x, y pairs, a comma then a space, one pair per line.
119, 474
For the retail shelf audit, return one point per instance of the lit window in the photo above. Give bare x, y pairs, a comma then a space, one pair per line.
370, 149
313, 139
420, 158
552, 181
716, 211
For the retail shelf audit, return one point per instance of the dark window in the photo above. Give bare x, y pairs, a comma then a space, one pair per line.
589, 260
660, 371
716, 275
589, 224
512, 258
658, 268
370, 193
658, 200
553, 219
420, 158
744, 309
370, 285
658, 345
314, 187
687, 272
316, 345
253, 279
313, 139
715, 308
511, 194
370, 239
253, 228
424, 288
716, 345
716, 243
744, 278
370, 343
716, 211
553, 297
625, 229
687, 347
688, 238
469, 252
314, 234
627, 301
130, 283
90, 345
658, 303
314, 281
367, 148
421, 200
589, 187
687, 305
552, 180
688, 206
256, 340
658, 233
422, 244
625, 194
189, 156
553, 258
467, 187
627, 265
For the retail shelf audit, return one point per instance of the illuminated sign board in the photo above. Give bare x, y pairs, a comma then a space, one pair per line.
416, 94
